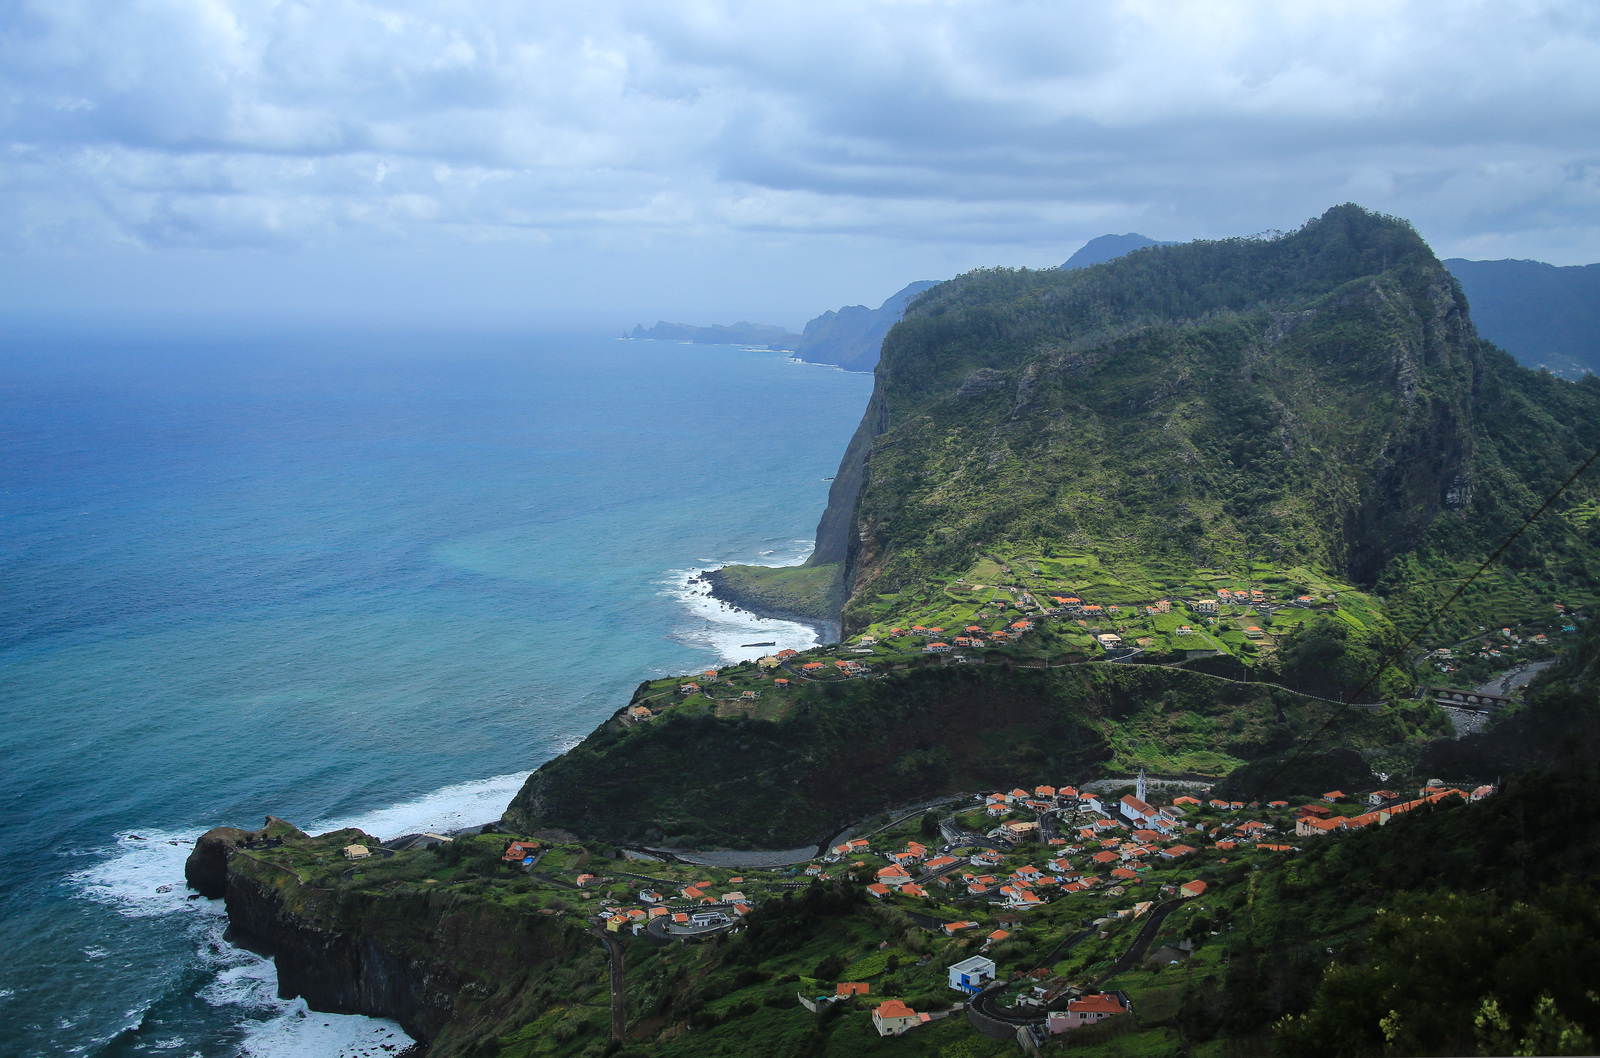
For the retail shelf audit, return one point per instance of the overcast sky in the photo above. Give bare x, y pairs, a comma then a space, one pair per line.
704, 160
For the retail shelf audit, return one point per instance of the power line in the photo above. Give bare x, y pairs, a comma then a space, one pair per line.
1404, 647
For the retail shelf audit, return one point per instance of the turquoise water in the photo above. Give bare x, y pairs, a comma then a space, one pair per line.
354, 577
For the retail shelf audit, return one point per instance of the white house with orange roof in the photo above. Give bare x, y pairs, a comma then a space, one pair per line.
894, 1018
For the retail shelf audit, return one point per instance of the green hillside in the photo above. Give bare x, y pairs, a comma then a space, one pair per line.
1220, 413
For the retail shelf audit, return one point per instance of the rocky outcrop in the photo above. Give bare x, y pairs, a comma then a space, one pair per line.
444, 962
339, 971
206, 869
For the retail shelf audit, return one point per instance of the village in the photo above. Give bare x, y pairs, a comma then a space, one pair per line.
1030, 913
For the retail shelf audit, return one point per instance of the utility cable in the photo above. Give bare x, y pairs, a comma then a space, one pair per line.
1406, 646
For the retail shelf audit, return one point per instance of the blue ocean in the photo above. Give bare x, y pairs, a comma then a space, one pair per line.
342, 577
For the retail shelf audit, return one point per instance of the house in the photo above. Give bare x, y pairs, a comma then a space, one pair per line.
838, 852
1313, 811
1190, 890
786, 654
1333, 795
688, 688
1183, 630
941, 863
1253, 632
748, 696
914, 891
1176, 852
1311, 826
780, 683
1124, 874
936, 648
1018, 829
584, 880
878, 889
516, 852
1030, 873
1480, 793
893, 875
1204, 606
1380, 798
702, 919
1109, 641
356, 852
1106, 857
846, 989
1136, 811
709, 676
995, 938
649, 896
734, 897
1088, 1010
770, 661
811, 666
693, 892
892, 1018
972, 975
1277, 804
952, 928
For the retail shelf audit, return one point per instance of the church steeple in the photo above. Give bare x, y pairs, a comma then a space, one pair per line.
1142, 790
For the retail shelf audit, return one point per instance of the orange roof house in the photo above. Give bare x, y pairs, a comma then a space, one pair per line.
852, 988
893, 1017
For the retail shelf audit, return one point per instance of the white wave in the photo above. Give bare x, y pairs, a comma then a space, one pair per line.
449, 808
288, 1028
724, 630
143, 876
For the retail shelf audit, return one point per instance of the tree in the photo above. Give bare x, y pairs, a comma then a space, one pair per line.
930, 825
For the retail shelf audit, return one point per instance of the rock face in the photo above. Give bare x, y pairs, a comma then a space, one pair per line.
342, 972
418, 954
852, 337
206, 869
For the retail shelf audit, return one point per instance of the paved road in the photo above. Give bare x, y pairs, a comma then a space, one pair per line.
1141, 944
619, 987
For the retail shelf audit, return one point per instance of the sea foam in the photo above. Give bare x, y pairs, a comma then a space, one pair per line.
142, 876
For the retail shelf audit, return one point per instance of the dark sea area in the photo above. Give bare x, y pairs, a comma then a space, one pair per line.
347, 578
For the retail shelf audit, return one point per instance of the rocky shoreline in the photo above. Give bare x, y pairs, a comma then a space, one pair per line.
724, 590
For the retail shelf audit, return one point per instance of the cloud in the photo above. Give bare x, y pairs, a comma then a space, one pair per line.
1000, 123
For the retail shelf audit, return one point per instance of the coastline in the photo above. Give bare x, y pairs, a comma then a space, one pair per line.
719, 588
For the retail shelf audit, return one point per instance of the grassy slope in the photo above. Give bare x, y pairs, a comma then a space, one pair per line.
847, 750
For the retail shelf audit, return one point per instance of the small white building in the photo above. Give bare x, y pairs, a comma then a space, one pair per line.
356, 852
972, 975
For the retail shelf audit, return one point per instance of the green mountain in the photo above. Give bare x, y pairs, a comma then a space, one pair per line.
1310, 416
1544, 315
1108, 248
1316, 407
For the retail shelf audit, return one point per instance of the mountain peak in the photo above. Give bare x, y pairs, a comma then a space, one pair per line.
1109, 248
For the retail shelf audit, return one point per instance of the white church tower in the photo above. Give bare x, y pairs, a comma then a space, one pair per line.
1142, 790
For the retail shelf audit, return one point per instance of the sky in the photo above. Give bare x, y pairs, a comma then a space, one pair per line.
616, 160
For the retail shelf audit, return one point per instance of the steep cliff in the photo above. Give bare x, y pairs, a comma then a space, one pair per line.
1317, 400
450, 964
